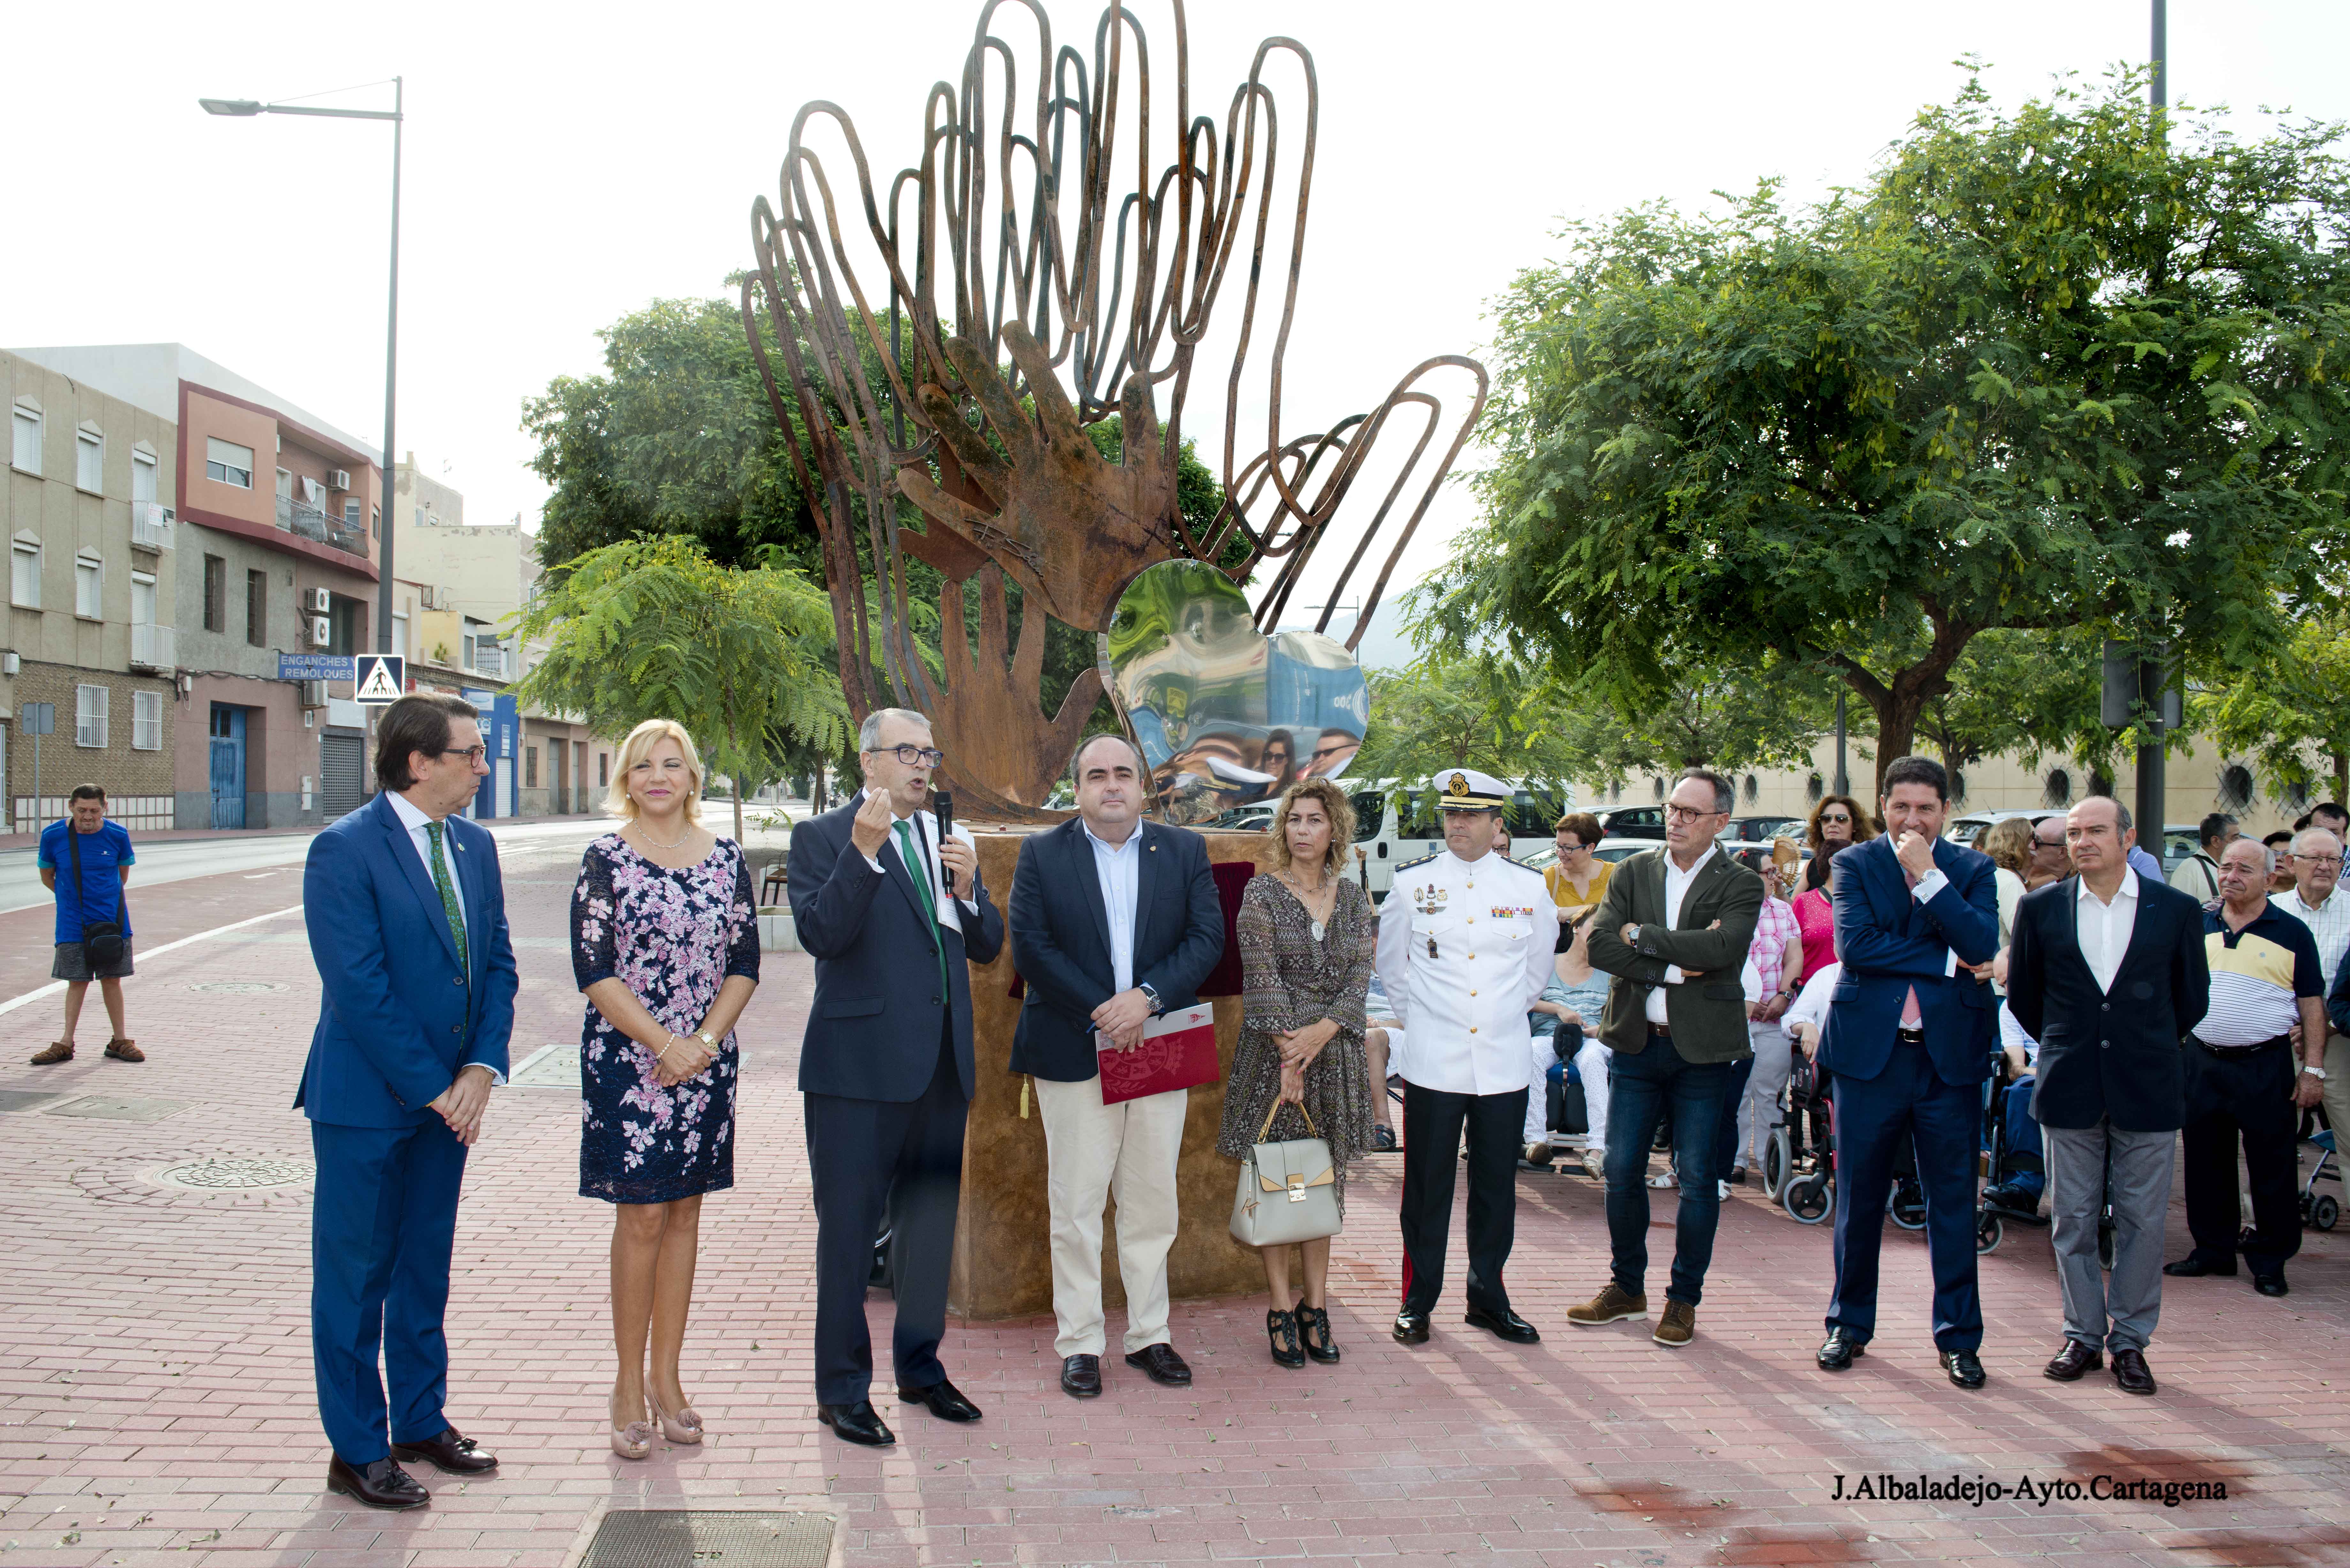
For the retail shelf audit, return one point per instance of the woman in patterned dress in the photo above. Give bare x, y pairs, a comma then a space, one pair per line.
1305, 938
665, 945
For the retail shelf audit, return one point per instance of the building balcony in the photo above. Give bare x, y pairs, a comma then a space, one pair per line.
490, 661
150, 526
151, 646
320, 526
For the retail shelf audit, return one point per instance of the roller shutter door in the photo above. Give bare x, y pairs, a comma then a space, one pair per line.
342, 772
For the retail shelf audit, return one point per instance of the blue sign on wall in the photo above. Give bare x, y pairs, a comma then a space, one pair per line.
314, 666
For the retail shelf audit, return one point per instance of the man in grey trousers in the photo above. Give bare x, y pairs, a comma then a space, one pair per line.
2107, 970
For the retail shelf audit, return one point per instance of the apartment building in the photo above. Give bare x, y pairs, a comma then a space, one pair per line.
278, 516
87, 502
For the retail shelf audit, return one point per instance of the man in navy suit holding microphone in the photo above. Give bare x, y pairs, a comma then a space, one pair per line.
407, 921
1909, 1040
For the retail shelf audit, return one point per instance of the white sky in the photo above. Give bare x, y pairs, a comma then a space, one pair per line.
561, 169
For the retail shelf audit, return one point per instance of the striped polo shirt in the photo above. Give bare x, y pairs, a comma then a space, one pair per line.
2257, 974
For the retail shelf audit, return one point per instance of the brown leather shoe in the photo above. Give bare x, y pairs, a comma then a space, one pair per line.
58, 1051
1612, 1304
449, 1453
2078, 1357
125, 1051
382, 1484
2131, 1373
1678, 1327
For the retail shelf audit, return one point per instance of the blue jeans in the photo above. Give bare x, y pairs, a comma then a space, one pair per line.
1644, 1089
2023, 1137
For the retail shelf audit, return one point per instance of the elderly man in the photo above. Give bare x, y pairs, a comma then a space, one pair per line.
2197, 876
2110, 1095
894, 916
2050, 862
1909, 1042
2241, 1079
1674, 929
1464, 950
2318, 902
1114, 921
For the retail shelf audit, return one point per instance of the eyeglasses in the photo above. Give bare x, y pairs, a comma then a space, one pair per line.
1686, 814
471, 753
2320, 860
1328, 749
1836, 817
2040, 842
928, 756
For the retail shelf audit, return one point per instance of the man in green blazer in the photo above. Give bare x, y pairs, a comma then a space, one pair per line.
1673, 929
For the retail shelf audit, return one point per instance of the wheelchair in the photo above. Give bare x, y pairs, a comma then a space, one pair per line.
1799, 1160
2322, 1210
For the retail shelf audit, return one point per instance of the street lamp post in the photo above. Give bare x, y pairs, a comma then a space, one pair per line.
242, 107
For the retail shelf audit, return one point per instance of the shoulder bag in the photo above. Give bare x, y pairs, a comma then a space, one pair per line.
1288, 1190
101, 941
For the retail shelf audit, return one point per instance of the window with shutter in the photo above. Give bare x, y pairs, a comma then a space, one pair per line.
215, 594
89, 461
89, 715
146, 720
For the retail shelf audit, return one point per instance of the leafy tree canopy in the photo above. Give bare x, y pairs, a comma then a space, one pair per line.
2072, 368
2284, 708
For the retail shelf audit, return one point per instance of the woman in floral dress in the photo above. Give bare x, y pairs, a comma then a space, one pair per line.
1305, 937
665, 945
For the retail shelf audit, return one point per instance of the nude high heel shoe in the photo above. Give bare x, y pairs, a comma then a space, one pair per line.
685, 1426
633, 1441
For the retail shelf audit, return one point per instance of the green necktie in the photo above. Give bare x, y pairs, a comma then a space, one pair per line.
916, 865
432, 830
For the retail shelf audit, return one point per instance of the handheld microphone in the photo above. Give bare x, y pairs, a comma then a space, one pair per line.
942, 806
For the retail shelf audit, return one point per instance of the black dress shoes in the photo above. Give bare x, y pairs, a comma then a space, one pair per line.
1836, 1353
2131, 1373
382, 1484
2076, 1359
944, 1399
1411, 1327
856, 1423
1504, 1323
1161, 1365
449, 1453
2191, 1267
1081, 1376
2270, 1284
1964, 1367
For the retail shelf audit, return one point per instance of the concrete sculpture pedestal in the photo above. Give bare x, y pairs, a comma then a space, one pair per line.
1003, 1261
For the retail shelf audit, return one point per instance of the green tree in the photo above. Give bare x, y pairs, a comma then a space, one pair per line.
676, 437
1691, 715
2282, 710
2070, 368
1442, 712
655, 629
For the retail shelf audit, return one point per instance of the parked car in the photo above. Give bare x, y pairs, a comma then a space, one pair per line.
1632, 822
1762, 829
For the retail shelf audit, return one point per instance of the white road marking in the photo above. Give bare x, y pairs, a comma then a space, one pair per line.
55, 986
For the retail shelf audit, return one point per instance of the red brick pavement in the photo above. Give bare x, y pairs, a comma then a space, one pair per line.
156, 1406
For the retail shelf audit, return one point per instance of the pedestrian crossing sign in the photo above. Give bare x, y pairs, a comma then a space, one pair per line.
379, 679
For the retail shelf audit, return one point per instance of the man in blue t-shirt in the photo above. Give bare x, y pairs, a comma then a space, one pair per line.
86, 859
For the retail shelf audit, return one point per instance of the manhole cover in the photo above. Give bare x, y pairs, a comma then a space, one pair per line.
237, 987
548, 1068
676, 1538
236, 1174
22, 1099
117, 1108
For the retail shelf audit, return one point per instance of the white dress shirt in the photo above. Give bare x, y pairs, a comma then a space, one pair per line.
412, 818
1119, 866
926, 838
2329, 922
2105, 929
1677, 886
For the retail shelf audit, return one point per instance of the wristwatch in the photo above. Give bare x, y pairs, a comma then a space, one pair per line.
707, 1043
1151, 995
2314, 1071
1636, 937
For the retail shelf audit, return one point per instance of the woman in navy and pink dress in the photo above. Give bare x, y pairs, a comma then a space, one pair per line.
665, 944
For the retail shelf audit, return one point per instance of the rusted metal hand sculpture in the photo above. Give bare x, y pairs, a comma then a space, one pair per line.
912, 436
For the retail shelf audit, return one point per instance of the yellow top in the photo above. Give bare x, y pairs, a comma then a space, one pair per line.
1562, 892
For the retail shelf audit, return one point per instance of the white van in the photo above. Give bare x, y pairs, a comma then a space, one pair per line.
1393, 827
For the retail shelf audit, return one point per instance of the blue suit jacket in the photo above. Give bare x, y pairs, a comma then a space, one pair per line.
397, 1020
1889, 941
1060, 939
873, 1030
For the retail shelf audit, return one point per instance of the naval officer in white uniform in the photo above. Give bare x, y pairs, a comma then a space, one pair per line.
1465, 944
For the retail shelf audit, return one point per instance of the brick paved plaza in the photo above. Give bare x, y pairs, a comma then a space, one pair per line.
155, 1368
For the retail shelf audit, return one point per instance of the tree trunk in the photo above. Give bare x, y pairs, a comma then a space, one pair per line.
2342, 775
738, 808
1900, 704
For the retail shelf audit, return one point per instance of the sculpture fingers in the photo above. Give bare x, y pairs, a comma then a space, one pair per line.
980, 462
1011, 424
1058, 415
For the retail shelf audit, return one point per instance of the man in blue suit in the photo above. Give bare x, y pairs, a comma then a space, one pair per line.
407, 919
895, 915
1909, 1040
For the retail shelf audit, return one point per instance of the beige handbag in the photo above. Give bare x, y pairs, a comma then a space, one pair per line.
1288, 1190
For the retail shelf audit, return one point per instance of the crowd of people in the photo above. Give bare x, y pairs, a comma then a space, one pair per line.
1668, 994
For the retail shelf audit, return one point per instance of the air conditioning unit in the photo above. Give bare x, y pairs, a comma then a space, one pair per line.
321, 601
314, 693
322, 630
340, 479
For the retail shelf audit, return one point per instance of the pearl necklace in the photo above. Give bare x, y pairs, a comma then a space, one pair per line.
656, 843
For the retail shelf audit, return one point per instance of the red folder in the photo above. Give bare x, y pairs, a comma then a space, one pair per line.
1178, 1052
